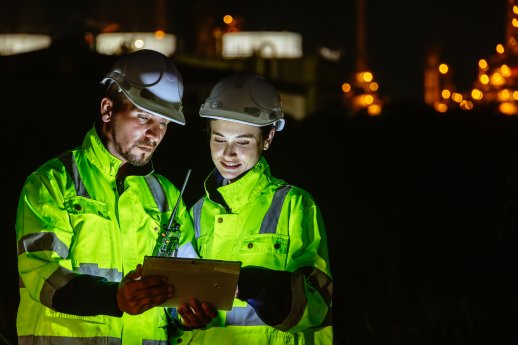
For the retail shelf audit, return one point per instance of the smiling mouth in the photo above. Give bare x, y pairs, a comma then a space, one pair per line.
230, 165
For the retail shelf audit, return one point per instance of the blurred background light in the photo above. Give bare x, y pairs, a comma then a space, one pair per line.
116, 43
11, 44
267, 44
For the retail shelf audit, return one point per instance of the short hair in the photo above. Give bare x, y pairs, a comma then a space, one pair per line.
120, 100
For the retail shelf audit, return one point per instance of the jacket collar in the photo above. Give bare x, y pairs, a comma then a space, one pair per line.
240, 192
107, 163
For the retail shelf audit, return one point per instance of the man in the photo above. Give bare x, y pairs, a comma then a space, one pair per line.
87, 218
275, 229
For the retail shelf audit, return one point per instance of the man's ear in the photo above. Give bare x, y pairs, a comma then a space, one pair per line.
106, 109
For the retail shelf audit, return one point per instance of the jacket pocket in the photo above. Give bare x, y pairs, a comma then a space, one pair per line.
94, 232
78, 205
266, 250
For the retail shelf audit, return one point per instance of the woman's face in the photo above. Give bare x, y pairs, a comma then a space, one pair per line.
236, 147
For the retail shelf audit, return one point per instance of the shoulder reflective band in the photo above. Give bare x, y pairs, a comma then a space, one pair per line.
270, 220
158, 192
67, 158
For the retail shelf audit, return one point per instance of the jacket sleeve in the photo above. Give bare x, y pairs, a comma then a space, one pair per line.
311, 281
87, 295
44, 236
288, 301
299, 297
267, 291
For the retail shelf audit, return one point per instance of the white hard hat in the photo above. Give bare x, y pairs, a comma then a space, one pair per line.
151, 81
247, 98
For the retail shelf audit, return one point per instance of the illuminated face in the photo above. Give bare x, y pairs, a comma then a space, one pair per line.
132, 135
236, 147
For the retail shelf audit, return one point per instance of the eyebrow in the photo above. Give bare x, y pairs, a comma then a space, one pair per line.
249, 136
140, 111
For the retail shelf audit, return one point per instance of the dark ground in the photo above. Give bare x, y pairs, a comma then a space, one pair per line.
421, 209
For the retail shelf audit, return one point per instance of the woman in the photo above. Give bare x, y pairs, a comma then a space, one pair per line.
275, 229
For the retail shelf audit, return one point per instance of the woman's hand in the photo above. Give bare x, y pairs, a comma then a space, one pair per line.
196, 314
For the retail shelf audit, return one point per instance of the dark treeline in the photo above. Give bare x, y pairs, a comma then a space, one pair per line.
421, 208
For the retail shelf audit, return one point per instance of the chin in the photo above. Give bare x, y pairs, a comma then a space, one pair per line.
229, 176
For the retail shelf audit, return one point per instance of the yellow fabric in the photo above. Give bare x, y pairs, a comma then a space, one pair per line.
108, 231
298, 241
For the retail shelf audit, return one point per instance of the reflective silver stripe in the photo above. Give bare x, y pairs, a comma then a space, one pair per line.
42, 241
271, 218
112, 274
197, 216
298, 302
243, 316
158, 192
56, 281
67, 158
154, 342
320, 281
54, 340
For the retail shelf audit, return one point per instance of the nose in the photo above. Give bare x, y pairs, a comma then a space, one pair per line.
229, 150
155, 131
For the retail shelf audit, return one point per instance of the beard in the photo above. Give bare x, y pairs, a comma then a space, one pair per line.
136, 159
133, 158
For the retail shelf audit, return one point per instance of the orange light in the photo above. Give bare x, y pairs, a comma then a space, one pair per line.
508, 108
476, 94
456, 97
111, 27
374, 109
228, 19
159, 34
440, 107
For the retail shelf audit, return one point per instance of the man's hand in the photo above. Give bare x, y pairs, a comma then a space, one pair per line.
196, 314
136, 294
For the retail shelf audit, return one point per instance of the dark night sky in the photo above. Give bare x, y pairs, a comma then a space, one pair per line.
398, 33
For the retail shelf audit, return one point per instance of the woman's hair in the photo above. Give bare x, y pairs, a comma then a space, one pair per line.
265, 130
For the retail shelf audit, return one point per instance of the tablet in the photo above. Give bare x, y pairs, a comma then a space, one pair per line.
212, 281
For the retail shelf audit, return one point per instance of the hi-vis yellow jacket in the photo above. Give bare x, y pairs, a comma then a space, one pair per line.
79, 223
262, 221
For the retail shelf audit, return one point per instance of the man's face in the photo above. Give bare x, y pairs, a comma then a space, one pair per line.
235, 147
134, 134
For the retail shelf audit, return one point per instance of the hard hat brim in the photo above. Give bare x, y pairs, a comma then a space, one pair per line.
167, 110
240, 118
